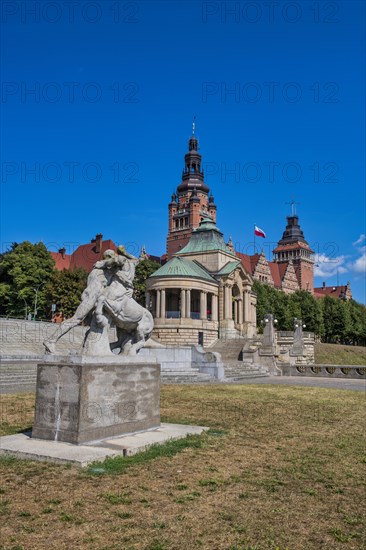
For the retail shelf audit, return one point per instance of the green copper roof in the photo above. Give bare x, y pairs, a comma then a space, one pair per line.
228, 268
178, 267
207, 237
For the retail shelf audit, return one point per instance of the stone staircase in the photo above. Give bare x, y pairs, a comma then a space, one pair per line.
191, 376
21, 348
17, 377
25, 338
237, 370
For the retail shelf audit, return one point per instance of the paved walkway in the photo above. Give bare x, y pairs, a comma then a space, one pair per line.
338, 383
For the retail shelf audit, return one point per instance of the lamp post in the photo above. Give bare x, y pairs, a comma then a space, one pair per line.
26, 307
35, 301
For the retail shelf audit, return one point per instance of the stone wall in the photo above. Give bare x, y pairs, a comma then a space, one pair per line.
184, 336
284, 352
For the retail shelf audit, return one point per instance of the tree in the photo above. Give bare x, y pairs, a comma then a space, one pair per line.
357, 329
65, 289
24, 271
285, 307
310, 311
144, 269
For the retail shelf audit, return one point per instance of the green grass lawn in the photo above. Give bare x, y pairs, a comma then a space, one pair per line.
337, 354
281, 468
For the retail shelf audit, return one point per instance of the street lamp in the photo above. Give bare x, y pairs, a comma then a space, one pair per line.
26, 307
35, 301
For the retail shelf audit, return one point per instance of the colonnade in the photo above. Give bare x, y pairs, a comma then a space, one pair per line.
236, 306
157, 300
202, 304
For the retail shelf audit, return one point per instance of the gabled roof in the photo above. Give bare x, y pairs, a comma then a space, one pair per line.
249, 262
86, 255
335, 291
276, 274
229, 268
180, 267
62, 260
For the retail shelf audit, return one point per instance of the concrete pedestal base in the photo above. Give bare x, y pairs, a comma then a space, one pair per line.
24, 447
82, 399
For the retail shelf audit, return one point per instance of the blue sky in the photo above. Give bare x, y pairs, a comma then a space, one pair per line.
98, 99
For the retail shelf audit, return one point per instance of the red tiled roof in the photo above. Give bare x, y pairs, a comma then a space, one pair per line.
292, 246
282, 268
62, 262
86, 255
249, 262
275, 272
334, 291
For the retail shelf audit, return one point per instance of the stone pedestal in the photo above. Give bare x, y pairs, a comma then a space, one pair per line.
81, 399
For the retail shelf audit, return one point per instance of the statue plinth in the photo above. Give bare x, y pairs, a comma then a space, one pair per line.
81, 399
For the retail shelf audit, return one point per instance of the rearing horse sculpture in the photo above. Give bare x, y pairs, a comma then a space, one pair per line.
107, 301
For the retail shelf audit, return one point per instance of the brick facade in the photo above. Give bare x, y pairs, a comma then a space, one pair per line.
190, 203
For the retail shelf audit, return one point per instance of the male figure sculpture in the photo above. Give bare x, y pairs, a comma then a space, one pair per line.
107, 301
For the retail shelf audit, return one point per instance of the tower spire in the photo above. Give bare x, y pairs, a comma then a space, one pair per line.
293, 206
191, 203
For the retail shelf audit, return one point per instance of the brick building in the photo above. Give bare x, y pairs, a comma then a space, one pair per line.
190, 203
292, 267
85, 255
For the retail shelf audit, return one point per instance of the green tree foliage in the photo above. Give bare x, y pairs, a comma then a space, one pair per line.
25, 270
335, 320
310, 311
144, 269
65, 289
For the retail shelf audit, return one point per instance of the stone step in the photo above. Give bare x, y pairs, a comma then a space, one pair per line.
17, 368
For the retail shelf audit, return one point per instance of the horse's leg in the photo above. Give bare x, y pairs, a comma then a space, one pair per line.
120, 339
139, 340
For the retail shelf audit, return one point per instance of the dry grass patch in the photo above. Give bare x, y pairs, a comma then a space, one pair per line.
281, 468
337, 354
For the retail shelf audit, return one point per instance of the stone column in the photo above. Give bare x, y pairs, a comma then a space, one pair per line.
158, 300
188, 304
153, 303
236, 311
147, 300
247, 305
203, 305
240, 307
214, 307
228, 303
182, 303
162, 304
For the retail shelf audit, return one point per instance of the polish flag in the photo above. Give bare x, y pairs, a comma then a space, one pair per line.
259, 232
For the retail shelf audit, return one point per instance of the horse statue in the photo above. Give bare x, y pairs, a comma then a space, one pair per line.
107, 302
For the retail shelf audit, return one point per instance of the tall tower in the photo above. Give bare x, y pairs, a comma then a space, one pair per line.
190, 203
293, 246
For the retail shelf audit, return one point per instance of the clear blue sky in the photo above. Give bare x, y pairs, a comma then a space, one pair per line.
115, 86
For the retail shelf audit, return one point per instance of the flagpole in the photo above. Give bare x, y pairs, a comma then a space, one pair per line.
254, 240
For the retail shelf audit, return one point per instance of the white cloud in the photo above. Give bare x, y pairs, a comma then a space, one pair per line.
359, 265
360, 239
326, 266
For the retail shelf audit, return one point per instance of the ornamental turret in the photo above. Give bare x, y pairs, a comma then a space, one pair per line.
191, 202
294, 248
